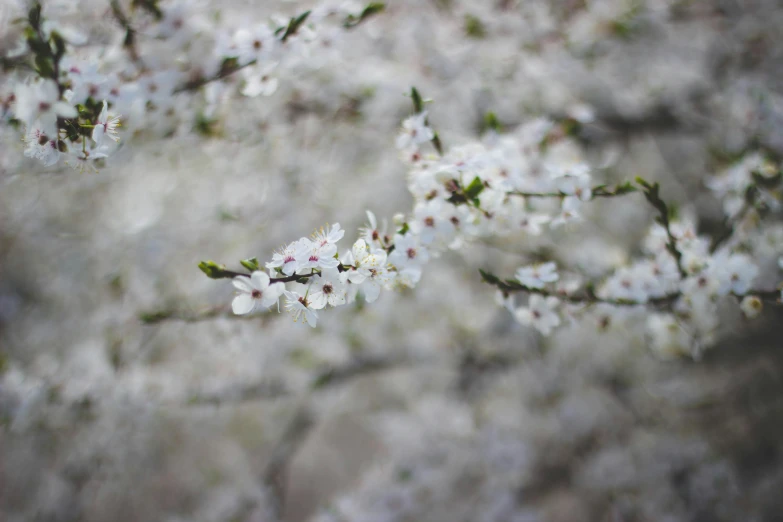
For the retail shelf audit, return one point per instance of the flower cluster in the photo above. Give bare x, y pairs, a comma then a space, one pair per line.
317, 276
523, 182
160, 56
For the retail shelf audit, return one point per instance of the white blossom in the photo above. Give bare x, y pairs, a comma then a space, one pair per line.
255, 292
540, 313
537, 276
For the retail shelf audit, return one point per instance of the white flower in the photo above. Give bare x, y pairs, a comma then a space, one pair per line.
531, 223
540, 313
575, 182
298, 306
408, 251
365, 261
569, 212
259, 81
329, 236
258, 42
668, 338
536, 276
735, 273
629, 284
289, 259
371, 234
106, 126
505, 300
41, 147
431, 223
316, 254
41, 101
751, 306
414, 132
255, 292
327, 288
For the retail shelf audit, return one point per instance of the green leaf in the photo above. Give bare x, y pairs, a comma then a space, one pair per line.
251, 264
418, 104
294, 25
371, 9
488, 277
59, 45
34, 16
491, 122
474, 189
474, 27
437, 143
44, 66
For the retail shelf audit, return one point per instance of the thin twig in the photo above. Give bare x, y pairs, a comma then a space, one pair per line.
129, 42
588, 297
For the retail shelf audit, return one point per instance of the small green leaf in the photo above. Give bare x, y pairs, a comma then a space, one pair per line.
488, 277
437, 143
59, 45
418, 104
44, 66
474, 189
474, 27
294, 25
491, 122
371, 9
34, 16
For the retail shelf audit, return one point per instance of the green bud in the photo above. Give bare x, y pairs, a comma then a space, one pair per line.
212, 269
251, 264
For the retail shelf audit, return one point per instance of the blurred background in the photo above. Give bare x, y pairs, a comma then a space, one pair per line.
121, 401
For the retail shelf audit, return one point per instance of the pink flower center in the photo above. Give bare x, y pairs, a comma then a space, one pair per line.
256, 294
411, 253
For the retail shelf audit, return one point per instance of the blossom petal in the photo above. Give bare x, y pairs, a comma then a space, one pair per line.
243, 304
242, 284
371, 292
259, 280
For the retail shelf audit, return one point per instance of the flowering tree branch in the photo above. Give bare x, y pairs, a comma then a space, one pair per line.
652, 194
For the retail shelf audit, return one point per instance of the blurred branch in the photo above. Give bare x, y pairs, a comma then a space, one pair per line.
325, 377
275, 475
230, 65
129, 42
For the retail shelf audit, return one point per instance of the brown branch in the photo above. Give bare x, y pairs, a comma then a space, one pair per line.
588, 297
129, 42
275, 475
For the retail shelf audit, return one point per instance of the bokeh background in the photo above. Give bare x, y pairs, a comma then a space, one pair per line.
431, 404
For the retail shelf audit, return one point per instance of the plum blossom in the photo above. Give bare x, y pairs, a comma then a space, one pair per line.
540, 313
106, 126
414, 132
569, 212
255, 292
327, 288
300, 307
734, 272
41, 101
536, 276
408, 252
291, 257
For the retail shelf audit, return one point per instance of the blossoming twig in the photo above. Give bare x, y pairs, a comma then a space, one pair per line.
651, 192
